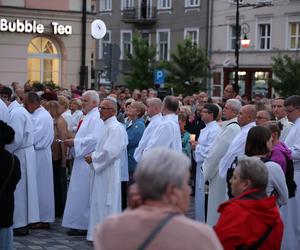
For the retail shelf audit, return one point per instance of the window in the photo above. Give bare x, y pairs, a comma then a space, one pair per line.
163, 41
193, 34
43, 64
104, 42
235, 1
127, 4
105, 5
233, 37
264, 36
192, 3
164, 4
147, 37
294, 36
126, 47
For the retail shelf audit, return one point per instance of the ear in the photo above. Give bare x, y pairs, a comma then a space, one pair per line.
247, 184
170, 194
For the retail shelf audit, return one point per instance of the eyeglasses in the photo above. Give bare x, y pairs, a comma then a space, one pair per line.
104, 108
290, 110
261, 118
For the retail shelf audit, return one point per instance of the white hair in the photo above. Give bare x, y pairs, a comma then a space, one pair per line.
93, 94
159, 168
235, 104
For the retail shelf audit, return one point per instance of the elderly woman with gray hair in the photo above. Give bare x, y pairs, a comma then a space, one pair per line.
251, 219
158, 223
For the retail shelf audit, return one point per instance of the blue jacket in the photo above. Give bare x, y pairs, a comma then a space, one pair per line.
135, 132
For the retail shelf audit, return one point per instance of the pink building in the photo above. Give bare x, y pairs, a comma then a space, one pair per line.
42, 41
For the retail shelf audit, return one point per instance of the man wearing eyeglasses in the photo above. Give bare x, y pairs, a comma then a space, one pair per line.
105, 163
290, 213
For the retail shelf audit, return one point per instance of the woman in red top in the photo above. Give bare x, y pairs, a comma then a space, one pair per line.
251, 215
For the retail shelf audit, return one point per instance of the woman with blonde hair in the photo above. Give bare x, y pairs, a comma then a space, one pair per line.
59, 152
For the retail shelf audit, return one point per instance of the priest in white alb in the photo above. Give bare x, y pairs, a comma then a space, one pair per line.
43, 134
90, 129
26, 194
105, 163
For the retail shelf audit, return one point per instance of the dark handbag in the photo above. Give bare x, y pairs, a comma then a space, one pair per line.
4, 186
156, 230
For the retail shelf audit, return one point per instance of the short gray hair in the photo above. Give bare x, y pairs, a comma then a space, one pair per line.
93, 94
113, 101
253, 169
235, 104
159, 168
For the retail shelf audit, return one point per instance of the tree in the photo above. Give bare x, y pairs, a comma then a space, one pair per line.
142, 62
287, 73
188, 68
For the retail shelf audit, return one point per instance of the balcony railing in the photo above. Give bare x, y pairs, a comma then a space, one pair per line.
142, 15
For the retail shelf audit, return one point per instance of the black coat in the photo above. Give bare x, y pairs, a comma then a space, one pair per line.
7, 196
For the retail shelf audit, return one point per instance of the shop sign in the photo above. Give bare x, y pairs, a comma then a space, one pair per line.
33, 27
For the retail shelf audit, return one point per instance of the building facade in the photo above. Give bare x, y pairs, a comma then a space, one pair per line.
163, 23
41, 41
272, 30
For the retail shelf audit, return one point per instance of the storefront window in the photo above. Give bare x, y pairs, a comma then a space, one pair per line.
43, 63
241, 80
260, 83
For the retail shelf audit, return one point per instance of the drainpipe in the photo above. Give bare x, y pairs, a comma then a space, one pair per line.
83, 67
209, 42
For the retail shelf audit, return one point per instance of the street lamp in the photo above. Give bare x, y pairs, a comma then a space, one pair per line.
245, 42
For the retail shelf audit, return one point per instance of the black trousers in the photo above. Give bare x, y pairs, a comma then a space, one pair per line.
60, 187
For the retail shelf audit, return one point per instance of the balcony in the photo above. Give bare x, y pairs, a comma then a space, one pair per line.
142, 15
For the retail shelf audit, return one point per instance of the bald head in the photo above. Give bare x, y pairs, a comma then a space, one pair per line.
247, 115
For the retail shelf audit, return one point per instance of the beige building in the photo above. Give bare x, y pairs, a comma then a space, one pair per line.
42, 41
272, 30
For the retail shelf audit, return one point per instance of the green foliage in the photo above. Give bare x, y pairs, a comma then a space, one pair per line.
39, 85
187, 69
142, 62
287, 73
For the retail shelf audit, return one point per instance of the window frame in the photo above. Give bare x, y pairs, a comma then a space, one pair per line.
101, 44
161, 7
296, 36
158, 31
187, 30
266, 37
103, 6
188, 4
122, 32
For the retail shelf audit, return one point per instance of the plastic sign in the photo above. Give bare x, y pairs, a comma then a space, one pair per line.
33, 27
98, 29
159, 76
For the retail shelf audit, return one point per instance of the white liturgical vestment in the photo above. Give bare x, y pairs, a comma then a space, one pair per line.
43, 131
167, 134
290, 212
26, 194
77, 209
106, 173
236, 148
217, 185
206, 137
155, 121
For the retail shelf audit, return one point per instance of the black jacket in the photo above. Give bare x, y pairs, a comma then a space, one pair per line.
7, 196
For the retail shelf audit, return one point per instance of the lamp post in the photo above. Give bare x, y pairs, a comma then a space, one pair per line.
237, 42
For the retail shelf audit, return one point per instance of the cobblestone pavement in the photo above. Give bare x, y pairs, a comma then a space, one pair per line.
56, 238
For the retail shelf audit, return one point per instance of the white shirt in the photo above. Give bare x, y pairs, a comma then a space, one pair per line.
236, 148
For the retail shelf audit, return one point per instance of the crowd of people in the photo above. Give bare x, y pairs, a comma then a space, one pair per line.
87, 155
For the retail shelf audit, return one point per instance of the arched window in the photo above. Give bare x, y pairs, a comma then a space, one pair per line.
43, 63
